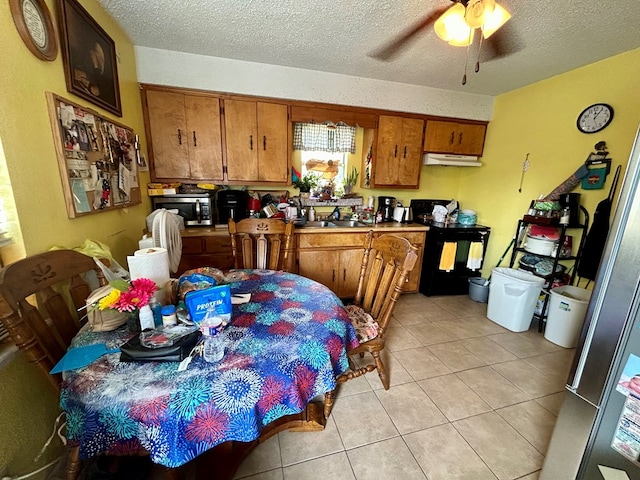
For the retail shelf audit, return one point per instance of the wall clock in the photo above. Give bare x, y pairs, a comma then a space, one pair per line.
33, 21
595, 118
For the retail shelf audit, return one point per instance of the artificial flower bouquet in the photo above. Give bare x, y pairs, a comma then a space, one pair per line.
120, 302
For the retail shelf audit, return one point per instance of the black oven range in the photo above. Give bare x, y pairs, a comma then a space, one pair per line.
453, 253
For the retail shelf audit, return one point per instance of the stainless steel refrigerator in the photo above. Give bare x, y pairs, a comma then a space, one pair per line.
597, 434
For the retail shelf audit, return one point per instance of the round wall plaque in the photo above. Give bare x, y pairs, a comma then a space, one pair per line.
33, 21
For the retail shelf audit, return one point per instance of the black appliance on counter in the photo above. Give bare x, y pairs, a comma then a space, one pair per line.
232, 204
386, 206
438, 277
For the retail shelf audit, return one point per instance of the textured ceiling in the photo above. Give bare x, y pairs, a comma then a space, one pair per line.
550, 36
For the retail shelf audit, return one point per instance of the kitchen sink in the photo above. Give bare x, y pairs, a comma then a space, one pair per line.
319, 224
348, 223
332, 224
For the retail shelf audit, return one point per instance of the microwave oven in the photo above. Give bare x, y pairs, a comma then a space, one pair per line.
197, 209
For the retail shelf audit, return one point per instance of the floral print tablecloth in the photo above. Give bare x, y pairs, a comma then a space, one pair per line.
283, 348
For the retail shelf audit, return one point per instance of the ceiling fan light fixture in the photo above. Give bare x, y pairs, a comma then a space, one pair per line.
496, 20
451, 25
478, 11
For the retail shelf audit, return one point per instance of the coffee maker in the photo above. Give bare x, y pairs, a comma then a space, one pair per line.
386, 206
572, 201
232, 204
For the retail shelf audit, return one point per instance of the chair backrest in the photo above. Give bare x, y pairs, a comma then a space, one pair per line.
43, 330
262, 243
386, 264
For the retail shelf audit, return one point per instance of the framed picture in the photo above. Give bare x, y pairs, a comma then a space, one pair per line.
89, 57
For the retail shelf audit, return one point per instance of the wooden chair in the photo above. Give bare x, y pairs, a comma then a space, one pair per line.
44, 332
262, 243
386, 264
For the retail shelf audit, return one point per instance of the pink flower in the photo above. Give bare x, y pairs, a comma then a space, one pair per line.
137, 295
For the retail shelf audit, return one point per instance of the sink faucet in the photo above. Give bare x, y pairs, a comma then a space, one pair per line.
336, 213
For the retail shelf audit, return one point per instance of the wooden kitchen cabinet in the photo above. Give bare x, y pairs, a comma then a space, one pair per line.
206, 251
454, 137
257, 141
398, 157
185, 136
332, 259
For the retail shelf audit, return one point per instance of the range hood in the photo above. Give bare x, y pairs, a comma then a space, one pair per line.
454, 160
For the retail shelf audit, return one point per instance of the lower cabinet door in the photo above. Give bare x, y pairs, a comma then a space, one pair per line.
321, 266
349, 273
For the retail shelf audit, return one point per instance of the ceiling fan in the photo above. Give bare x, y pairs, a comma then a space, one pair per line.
457, 25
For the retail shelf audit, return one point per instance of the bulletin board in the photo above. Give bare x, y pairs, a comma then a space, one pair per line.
97, 158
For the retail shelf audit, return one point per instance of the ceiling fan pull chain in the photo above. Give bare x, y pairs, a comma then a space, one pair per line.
478, 59
466, 58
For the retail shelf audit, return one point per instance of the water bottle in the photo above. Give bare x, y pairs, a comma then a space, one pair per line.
213, 348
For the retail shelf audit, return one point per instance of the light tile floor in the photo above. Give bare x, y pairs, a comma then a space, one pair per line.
468, 400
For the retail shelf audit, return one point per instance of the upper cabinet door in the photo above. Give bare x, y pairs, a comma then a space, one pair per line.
185, 136
204, 137
389, 143
169, 152
273, 138
399, 152
411, 158
257, 141
241, 128
471, 138
454, 137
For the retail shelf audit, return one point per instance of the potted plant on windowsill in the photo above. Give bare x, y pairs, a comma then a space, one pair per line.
350, 181
305, 184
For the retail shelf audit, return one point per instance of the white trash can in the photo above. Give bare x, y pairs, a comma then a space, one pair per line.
512, 298
567, 310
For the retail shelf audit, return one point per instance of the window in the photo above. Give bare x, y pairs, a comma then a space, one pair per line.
325, 149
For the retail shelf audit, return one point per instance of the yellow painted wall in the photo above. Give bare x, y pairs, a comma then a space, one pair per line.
25, 131
540, 119
31, 177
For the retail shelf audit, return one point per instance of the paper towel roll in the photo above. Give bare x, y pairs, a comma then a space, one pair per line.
151, 263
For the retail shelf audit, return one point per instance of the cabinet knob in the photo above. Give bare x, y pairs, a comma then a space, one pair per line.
344, 275
333, 275
405, 152
250, 142
179, 137
460, 139
195, 140
395, 152
452, 137
264, 142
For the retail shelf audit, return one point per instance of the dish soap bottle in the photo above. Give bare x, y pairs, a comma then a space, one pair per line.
312, 214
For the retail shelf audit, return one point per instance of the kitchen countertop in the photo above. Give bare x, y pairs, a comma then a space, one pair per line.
385, 226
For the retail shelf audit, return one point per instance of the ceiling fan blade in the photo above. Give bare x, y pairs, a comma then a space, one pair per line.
391, 49
501, 44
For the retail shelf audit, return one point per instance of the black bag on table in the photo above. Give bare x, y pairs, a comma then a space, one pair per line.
134, 351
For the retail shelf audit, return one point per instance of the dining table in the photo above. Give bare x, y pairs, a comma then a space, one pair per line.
284, 349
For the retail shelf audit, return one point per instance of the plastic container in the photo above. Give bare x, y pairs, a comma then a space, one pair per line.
478, 291
567, 310
169, 317
213, 349
467, 217
512, 298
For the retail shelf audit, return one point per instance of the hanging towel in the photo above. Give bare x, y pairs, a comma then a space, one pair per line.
474, 260
448, 258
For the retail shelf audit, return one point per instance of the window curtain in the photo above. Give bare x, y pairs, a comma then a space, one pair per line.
324, 137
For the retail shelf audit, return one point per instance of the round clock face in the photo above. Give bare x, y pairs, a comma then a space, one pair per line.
595, 118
